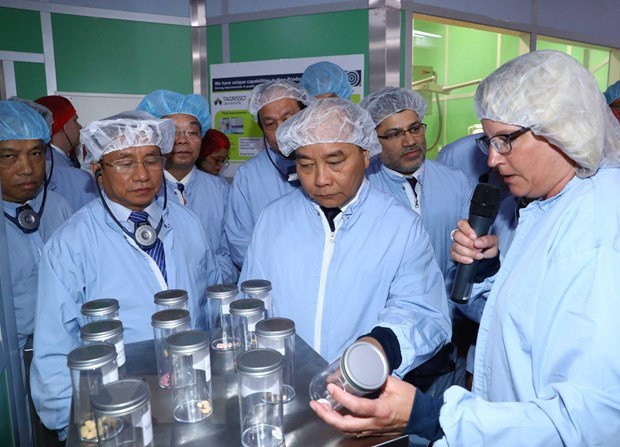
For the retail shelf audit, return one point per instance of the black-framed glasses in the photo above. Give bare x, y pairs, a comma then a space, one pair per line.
502, 143
125, 166
218, 161
415, 130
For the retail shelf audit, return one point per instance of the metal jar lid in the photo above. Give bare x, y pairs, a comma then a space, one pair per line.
247, 307
187, 342
222, 291
99, 307
255, 286
259, 362
275, 328
101, 330
364, 366
172, 297
91, 356
121, 398
170, 318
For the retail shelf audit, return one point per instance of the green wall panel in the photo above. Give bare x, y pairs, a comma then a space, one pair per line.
119, 56
6, 426
471, 55
30, 80
312, 35
20, 30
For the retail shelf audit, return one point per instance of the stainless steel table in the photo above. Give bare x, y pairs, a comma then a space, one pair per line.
302, 427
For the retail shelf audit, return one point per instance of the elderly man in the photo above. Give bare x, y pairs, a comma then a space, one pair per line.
31, 212
129, 245
546, 373
202, 193
75, 185
344, 258
326, 80
269, 174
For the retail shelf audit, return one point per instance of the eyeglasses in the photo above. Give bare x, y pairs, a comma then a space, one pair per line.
502, 143
191, 134
218, 161
415, 130
125, 166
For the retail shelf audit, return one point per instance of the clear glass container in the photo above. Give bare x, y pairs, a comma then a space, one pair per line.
106, 331
171, 299
219, 297
101, 309
123, 414
191, 375
91, 366
260, 289
279, 334
361, 369
246, 313
165, 323
260, 401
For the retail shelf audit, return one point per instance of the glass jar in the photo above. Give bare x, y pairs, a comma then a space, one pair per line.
101, 309
361, 369
191, 375
260, 289
279, 334
92, 366
219, 297
106, 331
260, 402
245, 314
165, 323
171, 299
123, 414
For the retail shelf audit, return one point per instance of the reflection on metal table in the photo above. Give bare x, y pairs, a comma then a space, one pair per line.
301, 426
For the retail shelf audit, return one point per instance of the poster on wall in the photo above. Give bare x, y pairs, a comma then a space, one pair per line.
231, 85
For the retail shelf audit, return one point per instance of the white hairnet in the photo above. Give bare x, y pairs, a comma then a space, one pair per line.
324, 78
558, 99
272, 91
127, 129
387, 101
162, 103
40, 109
19, 121
330, 120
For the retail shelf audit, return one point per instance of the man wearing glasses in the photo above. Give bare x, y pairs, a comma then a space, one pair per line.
128, 245
439, 194
200, 192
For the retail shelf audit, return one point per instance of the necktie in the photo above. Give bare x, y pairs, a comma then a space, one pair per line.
413, 182
181, 188
157, 250
330, 214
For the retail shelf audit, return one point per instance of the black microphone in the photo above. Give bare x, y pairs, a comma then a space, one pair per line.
482, 212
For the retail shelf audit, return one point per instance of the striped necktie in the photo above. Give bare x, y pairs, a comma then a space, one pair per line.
157, 250
413, 182
181, 188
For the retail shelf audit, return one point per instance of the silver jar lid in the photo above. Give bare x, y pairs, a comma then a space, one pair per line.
171, 297
259, 362
247, 307
364, 366
99, 307
255, 286
187, 342
121, 397
101, 330
91, 356
222, 291
170, 318
275, 328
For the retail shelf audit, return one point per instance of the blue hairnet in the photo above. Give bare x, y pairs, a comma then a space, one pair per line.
162, 103
613, 92
329, 120
387, 101
325, 78
21, 122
